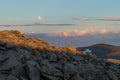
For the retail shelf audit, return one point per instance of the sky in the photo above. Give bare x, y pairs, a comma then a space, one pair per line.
85, 14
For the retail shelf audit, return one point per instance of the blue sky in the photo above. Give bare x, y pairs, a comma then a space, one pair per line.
18, 11
103, 13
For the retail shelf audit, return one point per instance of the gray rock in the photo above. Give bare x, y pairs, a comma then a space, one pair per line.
77, 77
2, 43
49, 77
11, 53
69, 69
112, 75
49, 69
2, 77
11, 77
52, 56
78, 58
9, 64
22, 78
10, 45
33, 72
3, 57
115, 68
2, 48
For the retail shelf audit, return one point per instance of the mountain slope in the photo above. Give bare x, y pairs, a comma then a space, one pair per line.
104, 50
23, 58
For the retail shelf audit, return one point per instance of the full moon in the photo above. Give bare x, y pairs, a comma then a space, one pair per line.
39, 18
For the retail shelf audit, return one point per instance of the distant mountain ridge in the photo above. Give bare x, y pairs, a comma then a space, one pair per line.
104, 50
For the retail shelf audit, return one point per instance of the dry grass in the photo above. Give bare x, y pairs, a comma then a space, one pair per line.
17, 38
116, 61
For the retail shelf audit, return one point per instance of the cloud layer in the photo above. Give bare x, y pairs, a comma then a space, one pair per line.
93, 19
110, 19
81, 33
84, 40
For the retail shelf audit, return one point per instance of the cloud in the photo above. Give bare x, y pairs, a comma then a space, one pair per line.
81, 33
94, 19
80, 41
109, 19
103, 31
37, 24
81, 19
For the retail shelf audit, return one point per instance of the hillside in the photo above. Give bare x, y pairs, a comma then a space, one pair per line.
23, 58
104, 50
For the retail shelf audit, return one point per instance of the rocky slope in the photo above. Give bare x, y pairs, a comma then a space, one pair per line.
23, 58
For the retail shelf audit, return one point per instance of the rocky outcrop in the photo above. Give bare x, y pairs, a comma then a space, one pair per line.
23, 58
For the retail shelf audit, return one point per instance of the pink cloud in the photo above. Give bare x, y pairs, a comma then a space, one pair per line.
110, 19
103, 31
91, 19
81, 32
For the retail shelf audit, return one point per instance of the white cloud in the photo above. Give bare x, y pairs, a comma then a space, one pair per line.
80, 19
